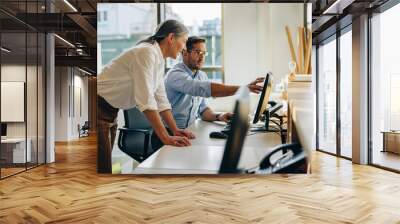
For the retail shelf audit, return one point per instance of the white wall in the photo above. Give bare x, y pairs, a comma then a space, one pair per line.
80, 83
239, 42
254, 39
17, 73
14, 73
61, 103
280, 16
67, 115
33, 125
254, 42
12, 101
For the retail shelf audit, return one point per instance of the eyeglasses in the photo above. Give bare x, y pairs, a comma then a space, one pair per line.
200, 53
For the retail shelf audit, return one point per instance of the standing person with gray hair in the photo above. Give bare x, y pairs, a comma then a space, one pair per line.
135, 79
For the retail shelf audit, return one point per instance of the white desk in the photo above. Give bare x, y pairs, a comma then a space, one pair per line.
205, 154
195, 159
16, 146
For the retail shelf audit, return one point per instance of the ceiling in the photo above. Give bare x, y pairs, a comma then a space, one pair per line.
74, 21
328, 16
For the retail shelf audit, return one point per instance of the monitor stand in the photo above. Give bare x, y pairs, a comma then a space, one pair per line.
264, 128
267, 128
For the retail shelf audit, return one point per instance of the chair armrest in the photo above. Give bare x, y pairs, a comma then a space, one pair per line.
144, 131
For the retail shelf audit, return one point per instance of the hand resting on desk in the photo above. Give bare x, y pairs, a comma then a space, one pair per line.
225, 117
177, 141
184, 133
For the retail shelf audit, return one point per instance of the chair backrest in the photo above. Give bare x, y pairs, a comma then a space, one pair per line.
86, 125
134, 143
136, 119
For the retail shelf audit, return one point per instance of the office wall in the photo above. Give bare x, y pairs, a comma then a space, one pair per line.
12, 98
71, 102
33, 126
239, 42
12, 73
278, 48
254, 39
80, 104
254, 42
61, 103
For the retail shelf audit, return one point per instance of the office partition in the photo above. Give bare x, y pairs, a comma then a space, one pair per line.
22, 78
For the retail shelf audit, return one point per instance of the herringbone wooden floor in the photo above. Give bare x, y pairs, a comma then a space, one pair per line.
70, 191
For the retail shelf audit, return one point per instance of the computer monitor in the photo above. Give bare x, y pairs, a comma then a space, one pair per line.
237, 133
264, 98
3, 129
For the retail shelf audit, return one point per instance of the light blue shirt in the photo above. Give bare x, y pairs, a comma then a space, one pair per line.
186, 91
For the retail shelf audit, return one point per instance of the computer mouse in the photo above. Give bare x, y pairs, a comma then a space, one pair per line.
217, 134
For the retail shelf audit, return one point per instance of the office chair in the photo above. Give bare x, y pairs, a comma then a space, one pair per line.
135, 137
84, 130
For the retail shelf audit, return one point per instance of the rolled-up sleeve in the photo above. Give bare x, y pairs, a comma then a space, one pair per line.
161, 98
181, 82
203, 106
143, 80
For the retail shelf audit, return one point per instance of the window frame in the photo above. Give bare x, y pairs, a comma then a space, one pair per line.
334, 37
379, 10
208, 69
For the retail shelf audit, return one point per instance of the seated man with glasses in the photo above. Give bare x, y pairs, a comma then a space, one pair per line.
187, 87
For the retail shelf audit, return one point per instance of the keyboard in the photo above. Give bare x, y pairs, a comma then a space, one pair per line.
226, 128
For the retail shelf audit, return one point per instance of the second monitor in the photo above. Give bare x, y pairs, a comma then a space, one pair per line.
265, 107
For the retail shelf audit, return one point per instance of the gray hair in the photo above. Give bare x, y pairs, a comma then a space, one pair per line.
164, 29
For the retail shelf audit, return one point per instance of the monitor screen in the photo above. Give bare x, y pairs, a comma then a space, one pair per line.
3, 129
237, 133
264, 98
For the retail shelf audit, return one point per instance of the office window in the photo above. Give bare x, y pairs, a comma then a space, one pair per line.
346, 94
385, 88
327, 96
122, 26
202, 20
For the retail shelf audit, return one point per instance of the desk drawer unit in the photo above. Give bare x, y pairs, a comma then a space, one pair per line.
14, 152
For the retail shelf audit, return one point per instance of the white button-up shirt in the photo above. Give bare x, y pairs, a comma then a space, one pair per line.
135, 78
